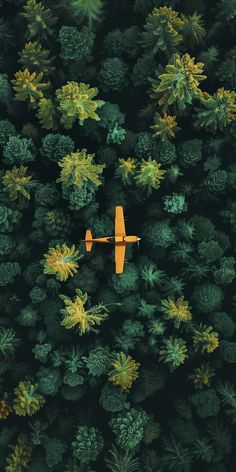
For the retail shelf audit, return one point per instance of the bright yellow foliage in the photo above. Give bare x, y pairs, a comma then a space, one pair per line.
78, 167
180, 82
164, 127
75, 313
205, 339
163, 30
125, 371
5, 409
76, 101
28, 87
62, 261
202, 376
178, 310
213, 342
126, 169
17, 183
20, 456
150, 174
27, 400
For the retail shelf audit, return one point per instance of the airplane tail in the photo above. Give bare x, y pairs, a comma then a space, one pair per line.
88, 240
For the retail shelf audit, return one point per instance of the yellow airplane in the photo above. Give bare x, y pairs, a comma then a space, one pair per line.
120, 240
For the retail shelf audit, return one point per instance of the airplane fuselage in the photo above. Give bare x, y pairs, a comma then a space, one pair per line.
115, 240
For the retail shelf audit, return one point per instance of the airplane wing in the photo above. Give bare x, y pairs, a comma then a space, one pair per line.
120, 257
120, 222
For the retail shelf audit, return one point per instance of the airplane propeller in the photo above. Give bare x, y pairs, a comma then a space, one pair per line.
138, 243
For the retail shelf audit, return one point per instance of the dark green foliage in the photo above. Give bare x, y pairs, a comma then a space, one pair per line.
110, 115
206, 403
7, 130
128, 427
184, 429
114, 43
6, 92
7, 37
37, 295
160, 234
76, 44
203, 450
143, 69
207, 297
47, 195
127, 281
79, 197
190, 152
176, 457
118, 461
112, 75
223, 324
6, 244
55, 146
8, 272
88, 443
225, 274
145, 145
220, 438
113, 399
18, 151
8, 341
228, 351
166, 152
210, 250
226, 70
54, 449
49, 380
97, 362
28, 316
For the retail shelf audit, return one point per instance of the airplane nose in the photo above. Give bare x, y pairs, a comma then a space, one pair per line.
138, 239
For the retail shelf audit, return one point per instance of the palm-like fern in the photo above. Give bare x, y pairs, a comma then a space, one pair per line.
119, 461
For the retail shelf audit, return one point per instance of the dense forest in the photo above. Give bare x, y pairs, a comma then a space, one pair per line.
106, 103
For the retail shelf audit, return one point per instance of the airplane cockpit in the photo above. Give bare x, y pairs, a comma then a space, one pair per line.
111, 239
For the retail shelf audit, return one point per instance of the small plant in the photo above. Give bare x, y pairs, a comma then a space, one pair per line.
78, 167
120, 461
28, 87
35, 58
18, 184
90, 10
62, 261
19, 459
176, 310
124, 371
5, 410
193, 29
75, 314
202, 376
218, 110
76, 102
27, 400
150, 175
126, 169
179, 84
39, 20
173, 352
163, 30
88, 443
46, 114
205, 339
164, 127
